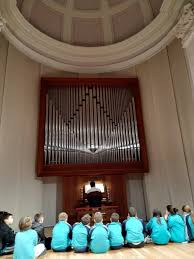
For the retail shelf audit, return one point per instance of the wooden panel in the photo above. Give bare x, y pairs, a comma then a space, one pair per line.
71, 193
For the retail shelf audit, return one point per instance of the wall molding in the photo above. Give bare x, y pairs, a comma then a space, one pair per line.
43, 49
2, 23
185, 25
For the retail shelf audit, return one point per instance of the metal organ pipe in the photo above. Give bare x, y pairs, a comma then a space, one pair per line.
90, 124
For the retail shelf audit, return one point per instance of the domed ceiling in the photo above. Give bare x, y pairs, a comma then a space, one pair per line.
89, 23
93, 36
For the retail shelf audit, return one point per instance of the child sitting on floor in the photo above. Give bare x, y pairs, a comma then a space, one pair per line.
80, 233
99, 242
26, 241
115, 232
7, 235
189, 223
158, 228
133, 230
37, 225
61, 236
176, 226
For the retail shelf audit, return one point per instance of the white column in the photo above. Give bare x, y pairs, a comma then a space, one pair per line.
185, 32
3, 63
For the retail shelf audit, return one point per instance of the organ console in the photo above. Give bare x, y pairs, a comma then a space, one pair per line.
106, 194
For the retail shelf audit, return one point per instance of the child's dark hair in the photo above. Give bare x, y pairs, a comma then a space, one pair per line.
175, 210
1, 216
171, 210
92, 184
37, 216
183, 208
157, 213
4, 215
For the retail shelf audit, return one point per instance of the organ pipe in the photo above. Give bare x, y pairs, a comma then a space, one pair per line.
90, 124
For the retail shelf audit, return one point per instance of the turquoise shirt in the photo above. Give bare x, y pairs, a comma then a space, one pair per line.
80, 234
99, 238
159, 231
61, 236
176, 228
134, 230
115, 234
25, 242
191, 224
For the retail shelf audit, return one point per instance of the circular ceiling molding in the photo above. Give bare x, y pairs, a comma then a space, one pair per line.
91, 57
89, 23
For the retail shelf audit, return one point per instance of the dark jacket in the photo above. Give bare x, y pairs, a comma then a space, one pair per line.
39, 228
7, 235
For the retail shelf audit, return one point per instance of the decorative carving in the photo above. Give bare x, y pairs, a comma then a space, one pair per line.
184, 26
2, 22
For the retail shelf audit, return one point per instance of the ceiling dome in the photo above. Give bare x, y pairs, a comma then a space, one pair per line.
90, 23
92, 36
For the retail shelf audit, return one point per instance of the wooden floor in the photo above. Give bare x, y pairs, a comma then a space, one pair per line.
150, 251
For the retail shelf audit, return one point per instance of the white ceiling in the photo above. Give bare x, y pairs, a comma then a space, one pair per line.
90, 22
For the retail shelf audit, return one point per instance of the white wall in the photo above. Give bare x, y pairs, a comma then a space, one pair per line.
168, 181
20, 191
182, 86
49, 200
3, 64
168, 120
189, 54
135, 194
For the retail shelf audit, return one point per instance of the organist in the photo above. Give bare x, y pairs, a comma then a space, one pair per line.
94, 195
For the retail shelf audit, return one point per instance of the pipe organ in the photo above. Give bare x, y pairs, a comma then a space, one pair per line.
88, 122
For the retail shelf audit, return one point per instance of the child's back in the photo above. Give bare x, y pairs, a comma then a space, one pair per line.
134, 230
176, 228
38, 226
61, 236
191, 225
25, 242
159, 230
80, 234
188, 217
99, 238
115, 235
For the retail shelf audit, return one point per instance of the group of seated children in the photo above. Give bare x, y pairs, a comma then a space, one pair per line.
26, 244
99, 238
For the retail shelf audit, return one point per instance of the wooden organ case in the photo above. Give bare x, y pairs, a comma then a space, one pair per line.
91, 128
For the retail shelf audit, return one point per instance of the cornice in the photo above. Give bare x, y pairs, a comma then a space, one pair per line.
185, 26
